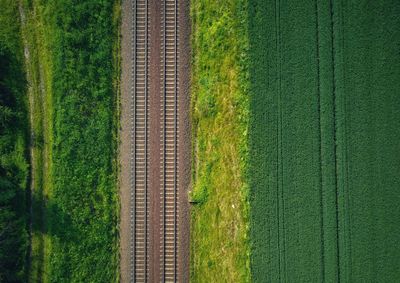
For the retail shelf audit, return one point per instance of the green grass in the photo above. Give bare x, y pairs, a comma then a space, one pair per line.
324, 141
75, 73
14, 169
219, 227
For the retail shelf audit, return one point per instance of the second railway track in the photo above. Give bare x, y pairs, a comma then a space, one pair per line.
169, 141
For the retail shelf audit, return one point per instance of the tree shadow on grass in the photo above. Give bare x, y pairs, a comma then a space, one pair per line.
48, 218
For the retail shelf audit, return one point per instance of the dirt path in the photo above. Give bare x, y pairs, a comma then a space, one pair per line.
154, 143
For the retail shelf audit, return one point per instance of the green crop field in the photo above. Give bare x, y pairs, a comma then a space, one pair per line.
73, 67
219, 227
324, 141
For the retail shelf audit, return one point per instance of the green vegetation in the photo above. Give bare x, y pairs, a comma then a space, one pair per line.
285, 142
219, 227
14, 236
73, 70
368, 129
324, 141
38, 74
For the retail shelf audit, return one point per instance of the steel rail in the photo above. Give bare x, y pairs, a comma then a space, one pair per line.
175, 137
145, 141
164, 173
133, 151
164, 139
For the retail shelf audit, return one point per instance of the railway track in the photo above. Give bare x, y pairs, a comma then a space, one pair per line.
139, 248
169, 141
140, 267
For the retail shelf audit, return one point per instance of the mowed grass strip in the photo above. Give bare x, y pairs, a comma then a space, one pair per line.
77, 63
38, 68
219, 227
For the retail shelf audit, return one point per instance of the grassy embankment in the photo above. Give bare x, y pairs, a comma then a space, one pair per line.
324, 141
14, 169
219, 227
74, 75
